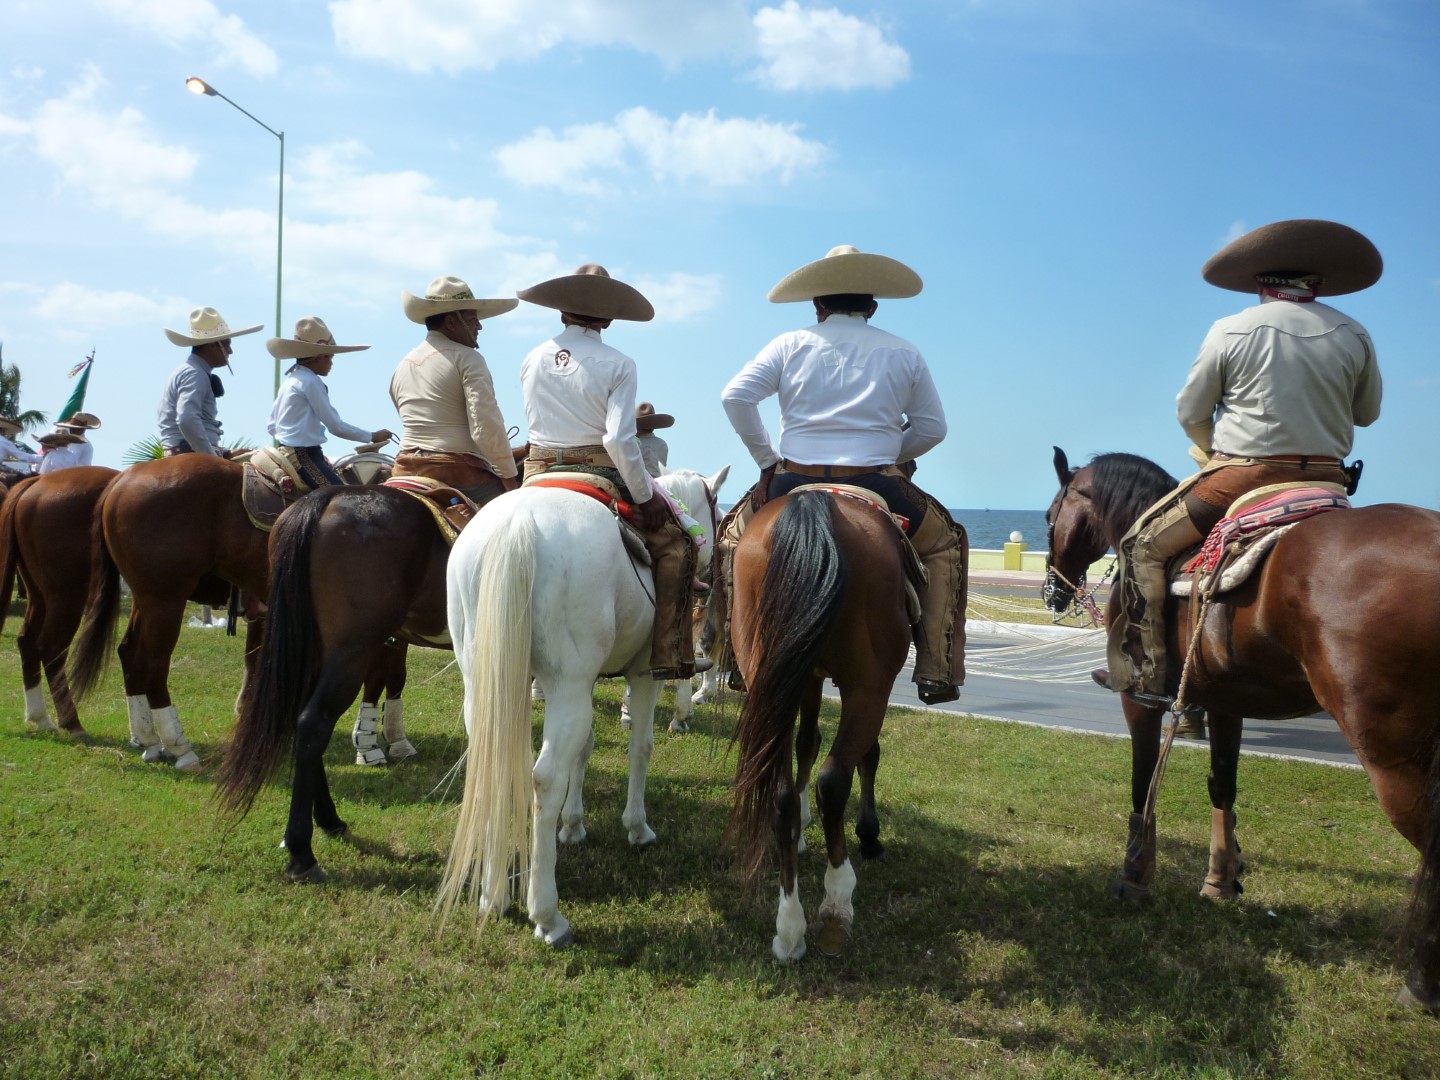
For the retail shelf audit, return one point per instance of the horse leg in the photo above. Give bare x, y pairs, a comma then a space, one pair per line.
568, 719
309, 791
31, 666
1138, 871
837, 912
644, 692
789, 941
365, 735
145, 653
683, 707
1222, 881
807, 749
572, 813
867, 827
65, 711
397, 745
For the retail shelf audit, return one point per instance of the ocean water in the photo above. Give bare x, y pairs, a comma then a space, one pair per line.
992, 528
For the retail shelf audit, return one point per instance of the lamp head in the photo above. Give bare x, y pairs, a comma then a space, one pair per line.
197, 85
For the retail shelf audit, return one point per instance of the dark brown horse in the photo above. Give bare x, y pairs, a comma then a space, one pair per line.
45, 541
1344, 615
819, 590
352, 568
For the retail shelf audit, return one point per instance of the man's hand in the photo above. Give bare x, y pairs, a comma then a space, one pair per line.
760, 493
509, 483
653, 513
383, 435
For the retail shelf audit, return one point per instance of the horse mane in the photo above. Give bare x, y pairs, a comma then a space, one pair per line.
1125, 486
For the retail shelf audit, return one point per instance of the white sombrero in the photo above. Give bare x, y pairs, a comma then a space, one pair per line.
206, 326
446, 294
593, 293
80, 421
1346, 259
847, 270
312, 338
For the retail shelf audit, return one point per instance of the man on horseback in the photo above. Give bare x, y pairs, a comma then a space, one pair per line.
453, 430
653, 449
855, 403
68, 446
302, 411
12, 458
188, 417
580, 405
1274, 397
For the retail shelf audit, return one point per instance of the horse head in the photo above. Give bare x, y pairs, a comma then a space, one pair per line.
1069, 535
698, 494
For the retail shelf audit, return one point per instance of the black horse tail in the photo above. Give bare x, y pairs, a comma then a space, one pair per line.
289, 662
1423, 930
800, 598
9, 555
96, 641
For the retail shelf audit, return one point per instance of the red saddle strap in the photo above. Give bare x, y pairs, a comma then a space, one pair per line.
620, 506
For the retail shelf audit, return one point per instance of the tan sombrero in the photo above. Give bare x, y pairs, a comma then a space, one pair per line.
206, 326
312, 338
647, 419
1343, 257
593, 293
446, 294
80, 421
52, 439
845, 269
10, 427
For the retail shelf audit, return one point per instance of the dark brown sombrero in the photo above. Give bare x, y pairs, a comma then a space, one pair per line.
1346, 259
647, 419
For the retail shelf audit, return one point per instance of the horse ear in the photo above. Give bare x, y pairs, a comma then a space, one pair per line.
1062, 467
714, 482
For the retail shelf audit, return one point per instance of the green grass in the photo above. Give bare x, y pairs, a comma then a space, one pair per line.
140, 939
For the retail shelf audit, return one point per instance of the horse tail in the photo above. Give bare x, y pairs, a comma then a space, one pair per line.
9, 552
1423, 928
96, 641
288, 666
800, 599
494, 825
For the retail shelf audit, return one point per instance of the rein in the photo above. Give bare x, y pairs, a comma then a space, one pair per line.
1082, 596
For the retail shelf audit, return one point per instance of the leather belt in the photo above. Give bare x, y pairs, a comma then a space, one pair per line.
1303, 460
830, 472
578, 455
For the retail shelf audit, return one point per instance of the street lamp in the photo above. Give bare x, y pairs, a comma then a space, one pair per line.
200, 86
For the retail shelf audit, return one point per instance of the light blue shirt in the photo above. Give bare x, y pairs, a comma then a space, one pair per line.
187, 409
10, 452
303, 412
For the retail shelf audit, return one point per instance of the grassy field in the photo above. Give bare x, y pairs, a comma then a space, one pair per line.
140, 939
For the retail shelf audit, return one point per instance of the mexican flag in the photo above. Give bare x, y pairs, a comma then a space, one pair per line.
76, 401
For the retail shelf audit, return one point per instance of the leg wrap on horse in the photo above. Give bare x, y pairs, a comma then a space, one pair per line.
673, 561
396, 744
1223, 879
142, 727
366, 736
944, 550
172, 737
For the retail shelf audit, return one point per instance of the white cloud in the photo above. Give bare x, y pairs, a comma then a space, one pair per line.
11, 126
82, 308
186, 22
480, 34
678, 297
693, 147
824, 49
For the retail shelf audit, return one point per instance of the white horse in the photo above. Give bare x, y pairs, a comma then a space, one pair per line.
541, 584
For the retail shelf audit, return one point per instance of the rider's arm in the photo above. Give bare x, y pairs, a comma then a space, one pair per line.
926, 415
755, 382
619, 439
1366, 408
317, 396
487, 426
1203, 390
190, 396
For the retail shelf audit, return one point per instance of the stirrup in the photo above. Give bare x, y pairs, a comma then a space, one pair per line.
937, 691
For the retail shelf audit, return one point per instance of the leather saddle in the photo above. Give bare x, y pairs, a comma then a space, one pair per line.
451, 508
271, 482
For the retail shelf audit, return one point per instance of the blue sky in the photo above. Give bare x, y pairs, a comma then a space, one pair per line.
1056, 170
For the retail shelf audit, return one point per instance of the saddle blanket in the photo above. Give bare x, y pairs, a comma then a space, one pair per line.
450, 508
603, 491
1250, 529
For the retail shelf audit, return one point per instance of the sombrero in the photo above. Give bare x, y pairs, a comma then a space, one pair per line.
593, 293
845, 269
312, 338
446, 294
1343, 257
10, 427
80, 421
52, 439
206, 326
647, 419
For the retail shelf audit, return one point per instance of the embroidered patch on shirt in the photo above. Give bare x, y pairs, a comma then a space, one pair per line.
562, 364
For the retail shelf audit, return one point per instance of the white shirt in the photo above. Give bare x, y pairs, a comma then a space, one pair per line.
846, 388
66, 457
581, 392
10, 452
446, 401
187, 408
1282, 378
303, 411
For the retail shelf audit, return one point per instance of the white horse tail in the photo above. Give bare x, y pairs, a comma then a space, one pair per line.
494, 824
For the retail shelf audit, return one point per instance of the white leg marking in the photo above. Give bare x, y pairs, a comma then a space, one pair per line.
789, 943
35, 714
839, 891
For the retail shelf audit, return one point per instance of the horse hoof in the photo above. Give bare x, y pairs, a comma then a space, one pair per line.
833, 937
1131, 892
787, 954
190, 762
402, 750
642, 838
43, 724
572, 834
871, 849
342, 832
153, 755
315, 875
679, 727
558, 936
1407, 998
1221, 890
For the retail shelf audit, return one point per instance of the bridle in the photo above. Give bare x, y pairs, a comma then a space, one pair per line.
1082, 597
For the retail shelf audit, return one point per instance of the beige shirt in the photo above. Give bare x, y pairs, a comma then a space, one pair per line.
1282, 378
446, 400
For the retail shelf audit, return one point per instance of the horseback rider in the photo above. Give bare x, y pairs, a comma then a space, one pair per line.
653, 449
453, 430
580, 405
1274, 397
67, 446
188, 418
847, 390
10, 453
302, 411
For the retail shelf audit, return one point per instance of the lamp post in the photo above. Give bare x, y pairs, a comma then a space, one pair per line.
200, 86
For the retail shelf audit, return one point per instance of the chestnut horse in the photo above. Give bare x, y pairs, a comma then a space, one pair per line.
819, 590
45, 540
1344, 615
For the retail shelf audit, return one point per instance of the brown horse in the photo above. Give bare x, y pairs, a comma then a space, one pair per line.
352, 569
1344, 615
799, 614
45, 540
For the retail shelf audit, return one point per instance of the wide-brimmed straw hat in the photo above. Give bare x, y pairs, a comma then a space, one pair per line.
51, 439
647, 419
10, 427
593, 293
80, 421
446, 294
312, 338
1346, 259
846, 269
206, 326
